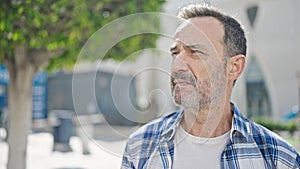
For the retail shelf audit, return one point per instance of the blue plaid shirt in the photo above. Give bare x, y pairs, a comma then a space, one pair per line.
250, 146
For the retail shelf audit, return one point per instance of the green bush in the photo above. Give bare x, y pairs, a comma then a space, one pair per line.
277, 126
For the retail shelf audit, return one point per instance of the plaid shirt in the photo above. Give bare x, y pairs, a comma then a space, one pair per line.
250, 146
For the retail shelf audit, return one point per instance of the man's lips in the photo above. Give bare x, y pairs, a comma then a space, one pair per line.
182, 82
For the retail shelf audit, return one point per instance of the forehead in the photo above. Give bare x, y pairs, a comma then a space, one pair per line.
200, 30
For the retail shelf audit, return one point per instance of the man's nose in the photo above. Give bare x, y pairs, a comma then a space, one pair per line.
179, 64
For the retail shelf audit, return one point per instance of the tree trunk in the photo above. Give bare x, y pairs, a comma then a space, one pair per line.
21, 74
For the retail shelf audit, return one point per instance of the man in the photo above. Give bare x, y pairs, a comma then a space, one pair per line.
209, 131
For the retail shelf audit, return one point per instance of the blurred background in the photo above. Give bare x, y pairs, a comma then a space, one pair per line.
62, 109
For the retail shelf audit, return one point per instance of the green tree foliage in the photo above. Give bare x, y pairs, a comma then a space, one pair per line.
51, 25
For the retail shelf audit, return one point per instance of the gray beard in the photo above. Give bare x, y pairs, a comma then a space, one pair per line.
192, 100
187, 101
203, 96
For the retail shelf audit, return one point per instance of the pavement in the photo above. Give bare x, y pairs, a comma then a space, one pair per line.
106, 151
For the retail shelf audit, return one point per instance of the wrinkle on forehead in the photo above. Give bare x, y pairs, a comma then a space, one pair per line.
184, 24
207, 32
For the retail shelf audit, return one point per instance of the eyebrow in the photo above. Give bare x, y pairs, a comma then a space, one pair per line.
174, 47
192, 47
197, 46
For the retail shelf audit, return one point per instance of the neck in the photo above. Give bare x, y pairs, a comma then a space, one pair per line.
208, 122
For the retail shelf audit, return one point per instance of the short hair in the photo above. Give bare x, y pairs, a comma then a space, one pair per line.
235, 42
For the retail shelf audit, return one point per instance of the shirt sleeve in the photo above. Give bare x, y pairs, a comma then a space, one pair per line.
127, 162
297, 164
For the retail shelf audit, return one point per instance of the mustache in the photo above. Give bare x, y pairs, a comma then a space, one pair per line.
184, 76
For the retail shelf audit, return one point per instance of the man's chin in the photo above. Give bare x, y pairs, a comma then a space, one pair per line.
191, 104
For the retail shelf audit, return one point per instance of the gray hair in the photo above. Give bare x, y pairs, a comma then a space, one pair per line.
235, 42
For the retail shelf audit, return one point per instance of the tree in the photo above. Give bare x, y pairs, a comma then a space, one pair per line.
39, 34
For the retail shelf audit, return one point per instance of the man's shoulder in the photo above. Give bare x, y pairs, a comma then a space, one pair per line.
143, 142
272, 143
275, 150
264, 138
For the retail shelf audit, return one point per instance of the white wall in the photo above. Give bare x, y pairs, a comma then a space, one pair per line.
275, 41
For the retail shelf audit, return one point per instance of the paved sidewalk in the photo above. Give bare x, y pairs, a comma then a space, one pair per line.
104, 155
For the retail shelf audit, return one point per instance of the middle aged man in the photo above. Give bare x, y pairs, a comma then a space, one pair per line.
209, 131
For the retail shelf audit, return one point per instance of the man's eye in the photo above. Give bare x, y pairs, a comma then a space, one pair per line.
174, 54
196, 54
196, 51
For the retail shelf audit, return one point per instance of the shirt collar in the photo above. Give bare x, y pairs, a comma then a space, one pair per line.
171, 126
240, 125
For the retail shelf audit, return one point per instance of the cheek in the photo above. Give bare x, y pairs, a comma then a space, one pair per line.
202, 78
198, 69
204, 87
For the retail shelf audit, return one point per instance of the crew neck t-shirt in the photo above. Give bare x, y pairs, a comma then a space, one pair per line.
197, 152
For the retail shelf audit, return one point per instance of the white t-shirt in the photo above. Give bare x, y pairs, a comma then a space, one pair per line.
196, 152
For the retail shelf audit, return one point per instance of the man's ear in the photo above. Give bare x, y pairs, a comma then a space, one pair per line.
235, 66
